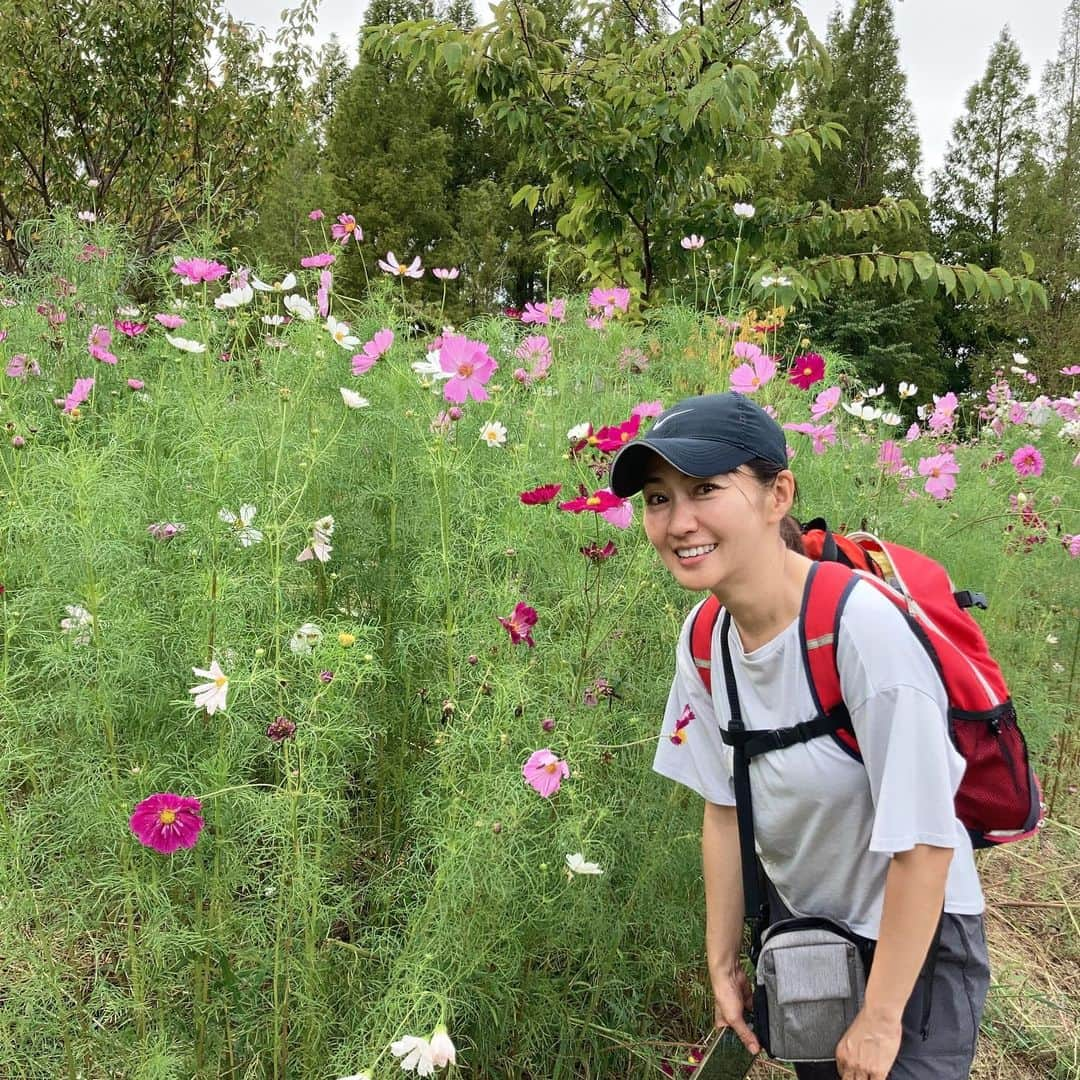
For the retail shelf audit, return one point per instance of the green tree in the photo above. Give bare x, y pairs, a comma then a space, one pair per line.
146, 110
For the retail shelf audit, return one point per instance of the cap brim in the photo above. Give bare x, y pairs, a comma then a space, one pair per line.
695, 457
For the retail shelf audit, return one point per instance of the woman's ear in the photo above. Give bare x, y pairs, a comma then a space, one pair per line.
783, 493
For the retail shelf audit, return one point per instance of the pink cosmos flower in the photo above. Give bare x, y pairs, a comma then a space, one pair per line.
1072, 545
100, 337
807, 370
318, 262
129, 328
19, 366
538, 496
445, 274
597, 502
198, 271
1027, 461
170, 322
943, 418
912, 433
135, 384
823, 436
519, 624
940, 472
620, 516
608, 301
746, 350
390, 265
165, 530
3, 335
544, 314
825, 402
645, 409
536, 352
749, 378
609, 439
1017, 412
79, 393
316, 215
544, 772
322, 296
371, 350
166, 822
469, 365
595, 322
1071, 370
693, 242
346, 227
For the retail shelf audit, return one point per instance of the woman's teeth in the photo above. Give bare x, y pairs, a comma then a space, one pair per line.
689, 553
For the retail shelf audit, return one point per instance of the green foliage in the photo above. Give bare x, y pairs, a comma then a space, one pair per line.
141, 110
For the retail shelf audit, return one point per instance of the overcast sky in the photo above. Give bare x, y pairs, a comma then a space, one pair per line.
944, 46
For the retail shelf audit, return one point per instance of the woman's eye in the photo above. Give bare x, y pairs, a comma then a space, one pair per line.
704, 489
654, 500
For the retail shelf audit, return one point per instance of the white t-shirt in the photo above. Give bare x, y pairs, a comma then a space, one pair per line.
825, 824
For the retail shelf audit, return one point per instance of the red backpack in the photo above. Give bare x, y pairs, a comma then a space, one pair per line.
999, 799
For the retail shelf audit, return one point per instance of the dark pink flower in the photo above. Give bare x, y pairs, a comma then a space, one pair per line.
807, 370
280, 728
597, 554
610, 439
519, 625
1027, 461
166, 822
538, 496
130, 328
597, 502
372, 350
544, 772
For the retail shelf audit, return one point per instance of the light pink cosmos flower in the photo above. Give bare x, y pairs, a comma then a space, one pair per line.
746, 350
198, 271
320, 547
610, 301
170, 322
372, 350
620, 516
1071, 370
390, 265
912, 433
536, 352
544, 314
469, 366
595, 322
211, 695
823, 436
415, 1053
130, 328
825, 402
346, 227
135, 384
322, 296
647, 408
316, 215
443, 1051
166, 822
79, 393
940, 471
3, 335
890, 457
749, 378
19, 366
544, 772
1027, 461
446, 274
318, 262
165, 530
943, 417
693, 242
1072, 545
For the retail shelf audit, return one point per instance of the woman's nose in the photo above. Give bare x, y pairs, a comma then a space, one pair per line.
683, 519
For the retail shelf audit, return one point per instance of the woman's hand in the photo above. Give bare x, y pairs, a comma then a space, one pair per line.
869, 1047
733, 1000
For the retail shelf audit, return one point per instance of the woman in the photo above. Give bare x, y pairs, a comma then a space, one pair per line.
874, 845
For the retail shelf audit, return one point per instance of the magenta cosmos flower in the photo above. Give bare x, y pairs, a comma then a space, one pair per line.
544, 772
519, 625
166, 822
1027, 461
597, 502
198, 271
538, 496
807, 370
940, 472
346, 228
469, 366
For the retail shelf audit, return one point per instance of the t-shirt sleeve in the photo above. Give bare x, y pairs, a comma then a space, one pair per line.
899, 711
690, 750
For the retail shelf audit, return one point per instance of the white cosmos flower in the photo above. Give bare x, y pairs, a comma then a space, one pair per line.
185, 344
305, 639
320, 547
234, 299
127, 312
576, 434
339, 331
443, 1051
273, 320
88, 216
353, 399
356, 1076
861, 411
891, 418
79, 625
576, 864
390, 265
907, 389
493, 434
287, 283
299, 306
415, 1054
743, 210
876, 391
431, 368
693, 242
1051, 639
1021, 359
211, 695
246, 533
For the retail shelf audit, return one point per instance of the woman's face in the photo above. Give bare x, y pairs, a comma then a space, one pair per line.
707, 531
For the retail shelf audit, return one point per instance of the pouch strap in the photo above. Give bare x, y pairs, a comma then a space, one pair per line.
757, 742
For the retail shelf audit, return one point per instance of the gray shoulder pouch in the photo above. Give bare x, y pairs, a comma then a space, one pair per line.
811, 979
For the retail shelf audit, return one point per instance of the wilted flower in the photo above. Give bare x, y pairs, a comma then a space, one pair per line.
519, 624
544, 772
415, 1054
390, 265
88, 216
353, 399
576, 864
211, 695
693, 242
280, 728
79, 625
305, 639
597, 554
246, 533
166, 822
443, 1051
320, 548
165, 530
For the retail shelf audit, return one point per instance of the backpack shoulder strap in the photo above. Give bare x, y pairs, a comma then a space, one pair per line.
827, 590
701, 635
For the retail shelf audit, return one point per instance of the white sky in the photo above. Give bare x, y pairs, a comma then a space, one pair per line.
944, 46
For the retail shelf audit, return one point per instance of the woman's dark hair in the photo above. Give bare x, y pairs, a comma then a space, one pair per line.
765, 473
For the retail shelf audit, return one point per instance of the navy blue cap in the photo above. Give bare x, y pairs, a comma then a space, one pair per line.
701, 436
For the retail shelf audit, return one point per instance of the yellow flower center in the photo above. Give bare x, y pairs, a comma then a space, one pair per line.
755, 381
221, 681
551, 766
592, 500
808, 371
167, 817
465, 370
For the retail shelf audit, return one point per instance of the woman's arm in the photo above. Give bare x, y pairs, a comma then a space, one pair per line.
914, 896
724, 919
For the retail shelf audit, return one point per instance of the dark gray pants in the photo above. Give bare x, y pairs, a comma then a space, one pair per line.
961, 979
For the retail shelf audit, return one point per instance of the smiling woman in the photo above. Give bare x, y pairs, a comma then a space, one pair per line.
865, 852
